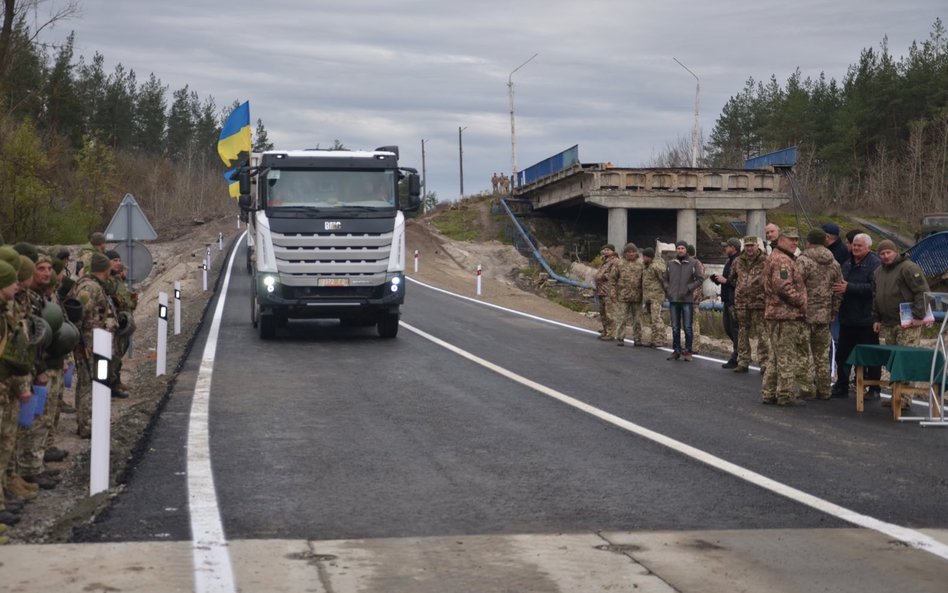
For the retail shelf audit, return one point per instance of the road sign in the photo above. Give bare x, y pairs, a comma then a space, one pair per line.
129, 223
137, 260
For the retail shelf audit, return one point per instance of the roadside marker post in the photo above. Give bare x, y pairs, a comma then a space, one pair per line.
177, 307
204, 274
161, 363
220, 241
416, 261
478, 279
101, 412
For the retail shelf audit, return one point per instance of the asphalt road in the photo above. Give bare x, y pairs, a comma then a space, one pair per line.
330, 433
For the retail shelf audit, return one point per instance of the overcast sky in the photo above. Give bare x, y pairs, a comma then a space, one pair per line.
373, 72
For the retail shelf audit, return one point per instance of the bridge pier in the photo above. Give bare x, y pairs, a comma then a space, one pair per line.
687, 226
618, 231
756, 221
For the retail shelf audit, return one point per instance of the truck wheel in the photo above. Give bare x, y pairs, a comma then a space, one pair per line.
388, 325
266, 326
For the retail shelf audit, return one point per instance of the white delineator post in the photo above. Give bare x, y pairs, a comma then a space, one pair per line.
101, 412
416, 261
204, 276
478, 279
220, 241
177, 307
161, 361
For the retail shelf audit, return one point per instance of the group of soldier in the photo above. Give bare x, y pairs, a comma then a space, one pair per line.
795, 304
47, 318
500, 183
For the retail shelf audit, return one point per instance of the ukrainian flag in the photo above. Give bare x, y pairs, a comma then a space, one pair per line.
233, 186
235, 136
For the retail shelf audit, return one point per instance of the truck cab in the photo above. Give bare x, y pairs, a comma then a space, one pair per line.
327, 236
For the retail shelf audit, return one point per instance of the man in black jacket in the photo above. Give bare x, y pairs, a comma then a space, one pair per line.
855, 313
732, 248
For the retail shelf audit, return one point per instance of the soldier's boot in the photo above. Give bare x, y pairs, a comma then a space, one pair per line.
17, 484
8, 519
18, 491
45, 482
54, 454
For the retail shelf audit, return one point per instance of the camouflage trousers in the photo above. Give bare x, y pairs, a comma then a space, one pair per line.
903, 336
816, 379
628, 314
119, 348
790, 352
83, 381
8, 430
51, 436
653, 311
751, 326
605, 316
31, 440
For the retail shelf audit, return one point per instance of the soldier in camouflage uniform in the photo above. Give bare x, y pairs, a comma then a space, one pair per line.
653, 291
125, 302
629, 294
696, 298
747, 276
14, 380
785, 314
606, 290
898, 280
820, 271
96, 244
98, 311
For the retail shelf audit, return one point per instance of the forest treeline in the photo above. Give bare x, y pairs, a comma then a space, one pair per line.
74, 139
876, 141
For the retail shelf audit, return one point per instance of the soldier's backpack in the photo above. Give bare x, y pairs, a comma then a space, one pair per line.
16, 355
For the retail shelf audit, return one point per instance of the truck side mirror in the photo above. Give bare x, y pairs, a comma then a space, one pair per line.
414, 191
243, 182
244, 202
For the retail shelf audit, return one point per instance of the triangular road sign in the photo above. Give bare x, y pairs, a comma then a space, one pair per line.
129, 222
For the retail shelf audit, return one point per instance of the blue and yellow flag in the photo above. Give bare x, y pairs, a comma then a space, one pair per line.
233, 186
235, 135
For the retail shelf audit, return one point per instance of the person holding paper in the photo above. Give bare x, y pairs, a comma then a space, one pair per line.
898, 305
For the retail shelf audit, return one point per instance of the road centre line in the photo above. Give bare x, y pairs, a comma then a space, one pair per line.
905, 535
213, 571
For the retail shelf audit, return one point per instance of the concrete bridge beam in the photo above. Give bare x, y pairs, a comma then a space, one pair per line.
756, 221
618, 231
687, 226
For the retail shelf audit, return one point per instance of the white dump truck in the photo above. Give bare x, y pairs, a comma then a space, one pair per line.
327, 236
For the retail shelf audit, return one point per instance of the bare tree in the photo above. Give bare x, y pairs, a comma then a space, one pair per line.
35, 19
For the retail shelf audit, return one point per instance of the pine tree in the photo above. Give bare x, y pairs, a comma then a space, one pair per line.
261, 142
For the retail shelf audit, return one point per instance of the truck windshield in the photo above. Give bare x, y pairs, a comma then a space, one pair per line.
294, 188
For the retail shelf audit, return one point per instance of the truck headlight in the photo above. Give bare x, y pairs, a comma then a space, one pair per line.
270, 283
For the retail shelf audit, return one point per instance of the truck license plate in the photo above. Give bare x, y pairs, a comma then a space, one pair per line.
333, 282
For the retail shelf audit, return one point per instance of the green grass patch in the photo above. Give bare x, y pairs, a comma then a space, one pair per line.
458, 225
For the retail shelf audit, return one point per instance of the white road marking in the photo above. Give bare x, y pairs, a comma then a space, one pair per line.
213, 571
910, 537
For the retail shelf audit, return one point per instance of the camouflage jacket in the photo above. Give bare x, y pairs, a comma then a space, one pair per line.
820, 271
901, 282
85, 259
125, 300
629, 280
605, 282
12, 384
784, 289
653, 281
98, 311
697, 294
749, 274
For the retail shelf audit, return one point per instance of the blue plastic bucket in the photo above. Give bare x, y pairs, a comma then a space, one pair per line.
26, 412
39, 397
68, 376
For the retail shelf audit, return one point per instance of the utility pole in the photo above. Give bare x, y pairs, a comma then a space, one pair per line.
424, 192
694, 129
461, 158
513, 133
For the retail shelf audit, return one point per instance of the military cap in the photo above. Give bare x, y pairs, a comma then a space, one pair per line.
630, 248
7, 274
816, 237
61, 252
112, 254
100, 262
750, 239
690, 249
887, 244
26, 269
9, 255
608, 246
648, 252
831, 228
57, 266
26, 249
790, 232
97, 238
733, 242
